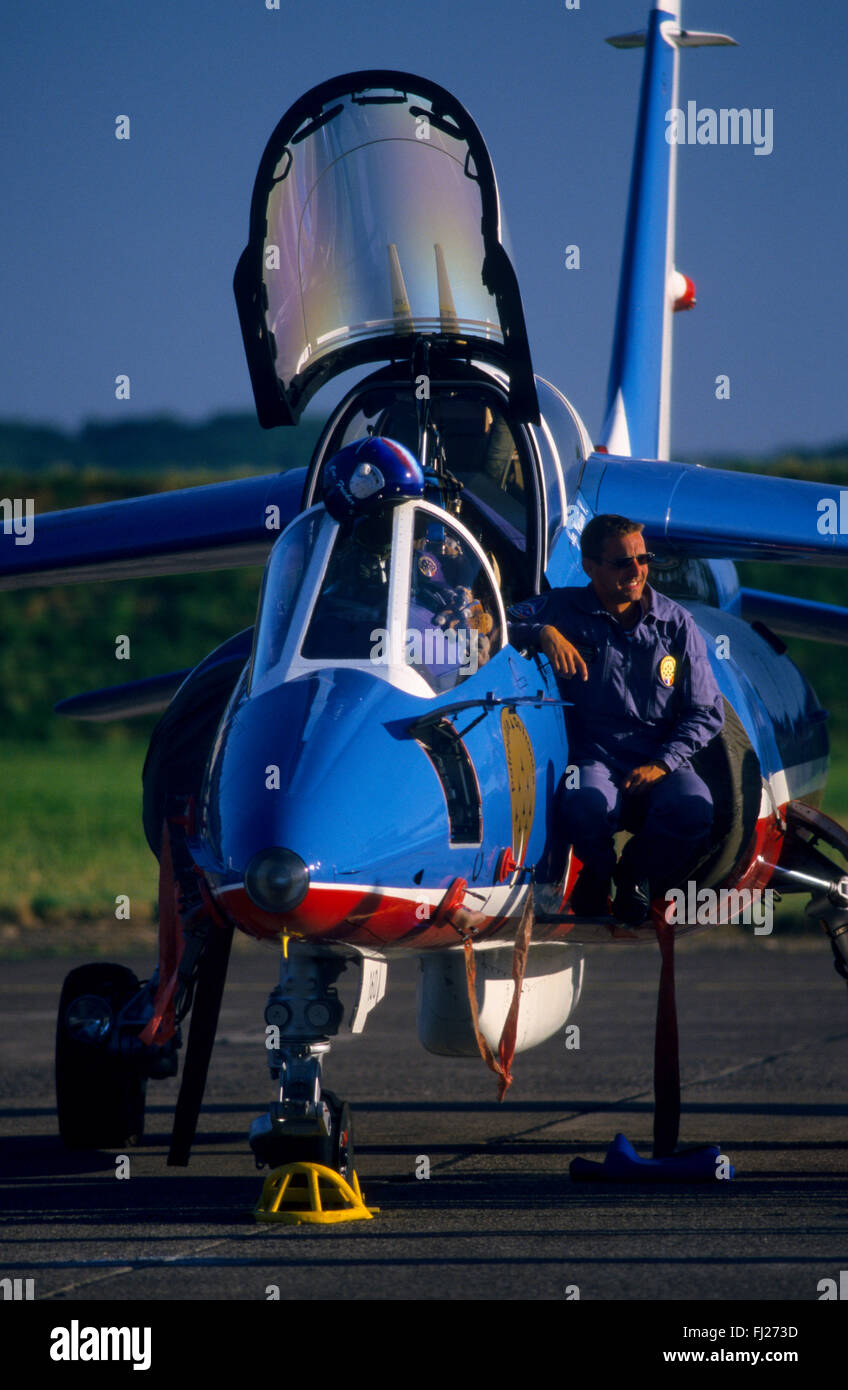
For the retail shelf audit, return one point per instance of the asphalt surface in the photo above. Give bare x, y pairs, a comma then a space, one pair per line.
764, 1051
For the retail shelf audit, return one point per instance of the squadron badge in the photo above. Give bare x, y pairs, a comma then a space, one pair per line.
427, 566
668, 670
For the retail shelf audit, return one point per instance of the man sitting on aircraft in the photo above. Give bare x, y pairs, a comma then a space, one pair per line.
644, 702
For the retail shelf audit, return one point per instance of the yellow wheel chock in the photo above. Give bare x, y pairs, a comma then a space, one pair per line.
293, 1194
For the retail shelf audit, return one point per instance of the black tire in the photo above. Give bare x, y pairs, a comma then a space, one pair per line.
99, 1094
731, 770
340, 1143
333, 1151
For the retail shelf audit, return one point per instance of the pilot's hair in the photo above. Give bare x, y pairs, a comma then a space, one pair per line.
600, 528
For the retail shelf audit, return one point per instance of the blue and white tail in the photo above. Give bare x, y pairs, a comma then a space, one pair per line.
638, 408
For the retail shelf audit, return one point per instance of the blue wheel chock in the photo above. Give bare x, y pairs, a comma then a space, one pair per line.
623, 1164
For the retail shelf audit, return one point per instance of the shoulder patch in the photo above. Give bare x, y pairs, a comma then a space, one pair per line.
668, 670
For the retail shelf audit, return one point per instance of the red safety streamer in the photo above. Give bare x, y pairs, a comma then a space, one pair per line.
506, 1047
666, 1047
162, 1025
502, 1064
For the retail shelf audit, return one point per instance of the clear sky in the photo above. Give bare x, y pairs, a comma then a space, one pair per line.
118, 256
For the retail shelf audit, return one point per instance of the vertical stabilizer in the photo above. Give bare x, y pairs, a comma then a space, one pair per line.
638, 409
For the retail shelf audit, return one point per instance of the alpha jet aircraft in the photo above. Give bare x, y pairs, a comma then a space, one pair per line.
328, 781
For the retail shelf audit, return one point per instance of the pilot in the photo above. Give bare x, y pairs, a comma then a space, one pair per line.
645, 700
362, 556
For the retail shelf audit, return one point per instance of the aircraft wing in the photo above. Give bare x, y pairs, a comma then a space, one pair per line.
796, 617
217, 526
718, 514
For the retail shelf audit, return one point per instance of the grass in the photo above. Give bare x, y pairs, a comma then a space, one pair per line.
72, 839
835, 802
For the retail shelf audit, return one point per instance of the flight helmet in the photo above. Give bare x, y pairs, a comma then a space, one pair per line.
368, 475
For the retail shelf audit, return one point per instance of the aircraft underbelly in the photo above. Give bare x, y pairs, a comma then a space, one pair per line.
549, 995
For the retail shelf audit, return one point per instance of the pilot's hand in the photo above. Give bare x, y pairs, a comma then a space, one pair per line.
563, 656
642, 777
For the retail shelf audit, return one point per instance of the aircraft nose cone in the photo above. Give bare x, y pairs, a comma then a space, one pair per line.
276, 880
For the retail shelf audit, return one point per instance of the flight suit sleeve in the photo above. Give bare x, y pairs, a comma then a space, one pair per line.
700, 709
526, 620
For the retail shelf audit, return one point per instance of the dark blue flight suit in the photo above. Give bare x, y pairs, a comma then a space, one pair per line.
650, 697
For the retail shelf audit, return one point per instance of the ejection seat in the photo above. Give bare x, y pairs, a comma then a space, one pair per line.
481, 452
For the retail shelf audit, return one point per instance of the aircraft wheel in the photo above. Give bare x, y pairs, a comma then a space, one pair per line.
99, 1094
340, 1142
332, 1151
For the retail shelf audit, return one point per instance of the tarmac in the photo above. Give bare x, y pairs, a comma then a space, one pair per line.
764, 1048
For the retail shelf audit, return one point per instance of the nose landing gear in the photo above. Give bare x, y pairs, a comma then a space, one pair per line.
307, 1123
318, 1132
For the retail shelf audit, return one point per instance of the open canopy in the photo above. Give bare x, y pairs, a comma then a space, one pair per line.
375, 222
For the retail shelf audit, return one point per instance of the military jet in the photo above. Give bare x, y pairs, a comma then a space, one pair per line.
373, 769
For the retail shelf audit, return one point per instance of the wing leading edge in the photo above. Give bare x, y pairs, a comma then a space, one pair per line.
717, 514
217, 526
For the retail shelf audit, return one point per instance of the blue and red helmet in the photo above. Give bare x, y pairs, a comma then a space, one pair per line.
368, 475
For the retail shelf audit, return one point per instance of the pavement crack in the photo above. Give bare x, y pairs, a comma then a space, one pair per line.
145, 1261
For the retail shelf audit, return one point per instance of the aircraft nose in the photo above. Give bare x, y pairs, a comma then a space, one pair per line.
276, 880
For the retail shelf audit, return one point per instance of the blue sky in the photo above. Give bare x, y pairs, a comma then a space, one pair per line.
119, 255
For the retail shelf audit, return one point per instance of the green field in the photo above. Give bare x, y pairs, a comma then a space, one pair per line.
72, 839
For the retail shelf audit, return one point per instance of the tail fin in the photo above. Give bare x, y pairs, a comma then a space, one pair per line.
639, 391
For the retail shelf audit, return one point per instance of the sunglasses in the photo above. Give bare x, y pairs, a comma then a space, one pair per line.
625, 561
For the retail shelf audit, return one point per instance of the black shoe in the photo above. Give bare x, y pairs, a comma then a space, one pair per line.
590, 895
632, 902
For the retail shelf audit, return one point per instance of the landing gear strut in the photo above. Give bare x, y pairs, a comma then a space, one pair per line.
804, 868
307, 1123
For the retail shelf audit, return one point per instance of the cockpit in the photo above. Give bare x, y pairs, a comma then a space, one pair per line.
487, 454
376, 236
405, 593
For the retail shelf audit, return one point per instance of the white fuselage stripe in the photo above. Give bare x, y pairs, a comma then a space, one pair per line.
791, 782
